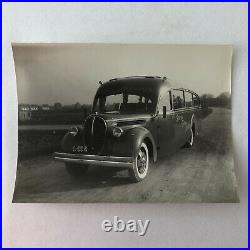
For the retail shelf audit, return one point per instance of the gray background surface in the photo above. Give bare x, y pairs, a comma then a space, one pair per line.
79, 225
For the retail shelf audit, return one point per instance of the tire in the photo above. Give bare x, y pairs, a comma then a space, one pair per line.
190, 141
140, 165
76, 170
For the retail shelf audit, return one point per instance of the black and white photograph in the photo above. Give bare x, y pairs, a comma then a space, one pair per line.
124, 123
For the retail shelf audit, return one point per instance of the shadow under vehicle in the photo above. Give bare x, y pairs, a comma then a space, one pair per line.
134, 121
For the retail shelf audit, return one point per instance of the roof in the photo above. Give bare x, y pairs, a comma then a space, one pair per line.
138, 84
136, 77
184, 89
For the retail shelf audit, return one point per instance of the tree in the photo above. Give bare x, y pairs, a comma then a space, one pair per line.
78, 105
224, 99
207, 100
57, 105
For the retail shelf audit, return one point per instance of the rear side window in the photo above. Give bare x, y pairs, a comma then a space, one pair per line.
189, 99
178, 99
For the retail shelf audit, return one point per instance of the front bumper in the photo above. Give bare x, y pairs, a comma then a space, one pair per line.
97, 160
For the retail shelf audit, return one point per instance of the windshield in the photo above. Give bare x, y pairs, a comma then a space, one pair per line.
125, 103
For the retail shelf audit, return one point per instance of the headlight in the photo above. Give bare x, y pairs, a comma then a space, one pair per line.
73, 131
117, 132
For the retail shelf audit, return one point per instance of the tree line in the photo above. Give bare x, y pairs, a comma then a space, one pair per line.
223, 100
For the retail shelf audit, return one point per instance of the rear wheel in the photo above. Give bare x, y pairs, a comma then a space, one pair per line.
140, 164
76, 170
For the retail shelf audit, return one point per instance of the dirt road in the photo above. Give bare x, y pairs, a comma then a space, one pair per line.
203, 173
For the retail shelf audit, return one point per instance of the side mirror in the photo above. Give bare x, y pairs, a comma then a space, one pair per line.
164, 108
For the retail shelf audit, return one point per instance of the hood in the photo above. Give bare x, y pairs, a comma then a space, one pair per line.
121, 120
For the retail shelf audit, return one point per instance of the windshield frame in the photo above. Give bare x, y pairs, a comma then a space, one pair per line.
98, 95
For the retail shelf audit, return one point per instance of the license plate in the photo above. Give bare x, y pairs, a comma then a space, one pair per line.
80, 149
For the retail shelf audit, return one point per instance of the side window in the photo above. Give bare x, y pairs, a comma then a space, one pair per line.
134, 99
178, 99
189, 99
196, 100
164, 101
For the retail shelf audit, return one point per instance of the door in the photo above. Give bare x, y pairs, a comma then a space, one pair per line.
189, 113
165, 124
180, 117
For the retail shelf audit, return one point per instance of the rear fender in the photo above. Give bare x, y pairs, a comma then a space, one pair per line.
196, 123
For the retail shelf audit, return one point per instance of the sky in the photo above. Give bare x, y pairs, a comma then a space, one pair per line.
69, 73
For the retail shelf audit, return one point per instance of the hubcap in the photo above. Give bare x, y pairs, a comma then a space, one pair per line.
141, 161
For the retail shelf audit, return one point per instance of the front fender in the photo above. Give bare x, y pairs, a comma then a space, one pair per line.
70, 141
129, 143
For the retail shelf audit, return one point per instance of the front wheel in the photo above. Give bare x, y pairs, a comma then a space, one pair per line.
140, 164
76, 170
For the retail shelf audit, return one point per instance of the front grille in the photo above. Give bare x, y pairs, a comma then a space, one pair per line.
94, 132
